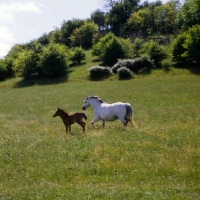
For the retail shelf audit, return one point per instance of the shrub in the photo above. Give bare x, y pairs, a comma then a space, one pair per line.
124, 73
178, 49
166, 64
185, 48
156, 52
26, 64
54, 61
99, 72
109, 49
134, 64
77, 55
140, 63
117, 66
2, 70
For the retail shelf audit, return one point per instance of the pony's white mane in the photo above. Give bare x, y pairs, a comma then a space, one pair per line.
95, 97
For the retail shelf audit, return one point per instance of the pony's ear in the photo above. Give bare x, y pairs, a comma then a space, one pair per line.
58, 108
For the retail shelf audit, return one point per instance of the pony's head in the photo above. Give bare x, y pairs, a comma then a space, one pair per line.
58, 110
89, 100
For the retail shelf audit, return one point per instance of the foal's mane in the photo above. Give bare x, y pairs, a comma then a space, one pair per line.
62, 110
95, 97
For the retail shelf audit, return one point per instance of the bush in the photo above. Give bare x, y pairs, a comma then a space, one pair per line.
109, 49
99, 72
26, 64
124, 73
156, 52
178, 49
77, 55
2, 70
54, 61
140, 63
134, 64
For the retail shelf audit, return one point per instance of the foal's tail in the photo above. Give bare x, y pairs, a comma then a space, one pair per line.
84, 116
129, 114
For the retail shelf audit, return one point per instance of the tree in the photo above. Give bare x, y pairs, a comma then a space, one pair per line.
83, 36
67, 28
119, 14
178, 49
10, 58
26, 64
142, 20
109, 49
137, 45
189, 14
192, 45
155, 51
44, 39
98, 17
53, 61
186, 46
77, 55
3, 73
165, 16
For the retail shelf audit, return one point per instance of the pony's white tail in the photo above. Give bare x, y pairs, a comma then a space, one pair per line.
129, 114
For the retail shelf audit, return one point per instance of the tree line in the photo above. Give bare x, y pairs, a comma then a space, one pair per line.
124, 29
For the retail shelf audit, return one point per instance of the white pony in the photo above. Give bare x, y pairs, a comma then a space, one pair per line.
109, 112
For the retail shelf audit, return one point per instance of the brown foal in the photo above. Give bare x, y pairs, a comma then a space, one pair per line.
69, 119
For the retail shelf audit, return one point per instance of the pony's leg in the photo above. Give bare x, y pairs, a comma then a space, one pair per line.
95, 120
103, 123
124, 122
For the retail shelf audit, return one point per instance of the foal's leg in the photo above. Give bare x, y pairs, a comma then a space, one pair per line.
82, 124
70, 128
66, 128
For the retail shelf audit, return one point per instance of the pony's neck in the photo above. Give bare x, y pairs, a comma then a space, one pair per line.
63, 115
96, 103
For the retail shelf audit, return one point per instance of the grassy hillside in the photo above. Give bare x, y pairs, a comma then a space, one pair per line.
158, 160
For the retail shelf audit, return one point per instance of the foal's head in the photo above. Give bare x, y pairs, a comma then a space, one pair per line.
59, 112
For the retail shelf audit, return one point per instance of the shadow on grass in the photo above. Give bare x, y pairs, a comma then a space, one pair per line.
76, 65
40, 81
193, 68
96, 60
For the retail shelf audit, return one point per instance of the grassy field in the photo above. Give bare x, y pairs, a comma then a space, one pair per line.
158, 160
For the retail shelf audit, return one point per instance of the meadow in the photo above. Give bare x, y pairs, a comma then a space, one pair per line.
158, 160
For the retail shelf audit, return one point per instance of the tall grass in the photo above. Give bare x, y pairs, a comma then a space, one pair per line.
158, 160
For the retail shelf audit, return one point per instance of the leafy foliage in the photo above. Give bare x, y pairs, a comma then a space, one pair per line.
98, 17
192, 45
119, 14
83, 36
67, 29
133, 64
178, 49
189, 14
26, 64
77, 55
186, 46
99, 72
109, 49
137, 46
2, 70
155, 51
54, 61
124, 73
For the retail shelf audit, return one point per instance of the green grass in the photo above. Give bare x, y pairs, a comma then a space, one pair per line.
158, 160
